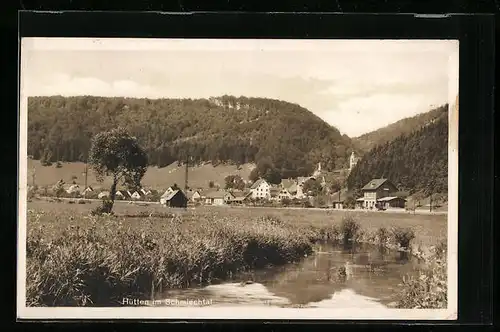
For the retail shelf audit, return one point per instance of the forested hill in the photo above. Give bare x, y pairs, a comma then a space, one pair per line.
405, 126
415, 162
222, 129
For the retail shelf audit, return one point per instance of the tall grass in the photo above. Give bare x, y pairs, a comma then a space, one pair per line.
77, 260
105, 260
429, 289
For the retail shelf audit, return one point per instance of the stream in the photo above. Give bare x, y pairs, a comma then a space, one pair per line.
365, 276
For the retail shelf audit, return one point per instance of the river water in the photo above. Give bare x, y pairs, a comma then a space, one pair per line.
361, 277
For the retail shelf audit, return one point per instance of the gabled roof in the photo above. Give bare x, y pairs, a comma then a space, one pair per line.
190, 193
386, 199
257, 183
287, 183
292, 189
240, 194
217, 194
170, 195
374, 184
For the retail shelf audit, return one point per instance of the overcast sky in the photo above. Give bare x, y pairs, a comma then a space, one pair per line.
356, 86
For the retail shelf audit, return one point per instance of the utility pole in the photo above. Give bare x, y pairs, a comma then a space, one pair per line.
186, 176
33, 175
430, 203
86, 172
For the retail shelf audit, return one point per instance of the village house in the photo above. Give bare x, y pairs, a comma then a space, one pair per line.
339, 198
136, 195
261, 189
73, 189
87, 190
240, 197
380, 193
288, 189
145, 192
218, 197
193, 195
122, 194
274, 193
300, 185
174, 198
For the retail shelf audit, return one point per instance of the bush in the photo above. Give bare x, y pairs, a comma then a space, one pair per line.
403, 236
349, 229
382, 235
429, 289
105, 207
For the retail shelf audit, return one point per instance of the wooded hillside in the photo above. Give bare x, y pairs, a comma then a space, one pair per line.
415, 162
229, 129
402, 127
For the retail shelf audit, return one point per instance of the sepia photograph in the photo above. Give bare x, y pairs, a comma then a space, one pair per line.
238, 179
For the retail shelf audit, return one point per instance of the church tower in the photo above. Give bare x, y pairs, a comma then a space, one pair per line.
353, 160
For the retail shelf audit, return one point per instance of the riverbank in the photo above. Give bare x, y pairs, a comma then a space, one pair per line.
77, 260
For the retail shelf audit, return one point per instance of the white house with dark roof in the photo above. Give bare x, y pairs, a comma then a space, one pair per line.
261, 189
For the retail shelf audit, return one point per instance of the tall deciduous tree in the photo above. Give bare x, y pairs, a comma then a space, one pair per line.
117, 154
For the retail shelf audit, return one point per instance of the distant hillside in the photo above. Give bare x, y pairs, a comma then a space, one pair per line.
405, 126
155, 178
220, 130
415, 162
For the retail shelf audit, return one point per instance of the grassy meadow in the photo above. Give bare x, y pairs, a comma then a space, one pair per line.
74, 259
155, 178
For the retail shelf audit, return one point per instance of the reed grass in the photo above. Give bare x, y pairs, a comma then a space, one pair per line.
85, 260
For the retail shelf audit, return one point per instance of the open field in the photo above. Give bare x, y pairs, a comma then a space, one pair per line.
429, 229
155, 178
76, 259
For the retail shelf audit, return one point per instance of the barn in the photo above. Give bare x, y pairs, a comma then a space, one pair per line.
175, 198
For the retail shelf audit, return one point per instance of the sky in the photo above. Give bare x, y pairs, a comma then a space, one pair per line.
355, 85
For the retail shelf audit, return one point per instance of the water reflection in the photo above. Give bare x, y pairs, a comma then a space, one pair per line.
368, 275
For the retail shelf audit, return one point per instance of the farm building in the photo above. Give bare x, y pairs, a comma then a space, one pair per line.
391, 202
240, 196
175, 198
339, 198
218, 197
261, 189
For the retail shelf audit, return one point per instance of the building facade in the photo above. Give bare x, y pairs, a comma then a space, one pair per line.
375, 190
260, 189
